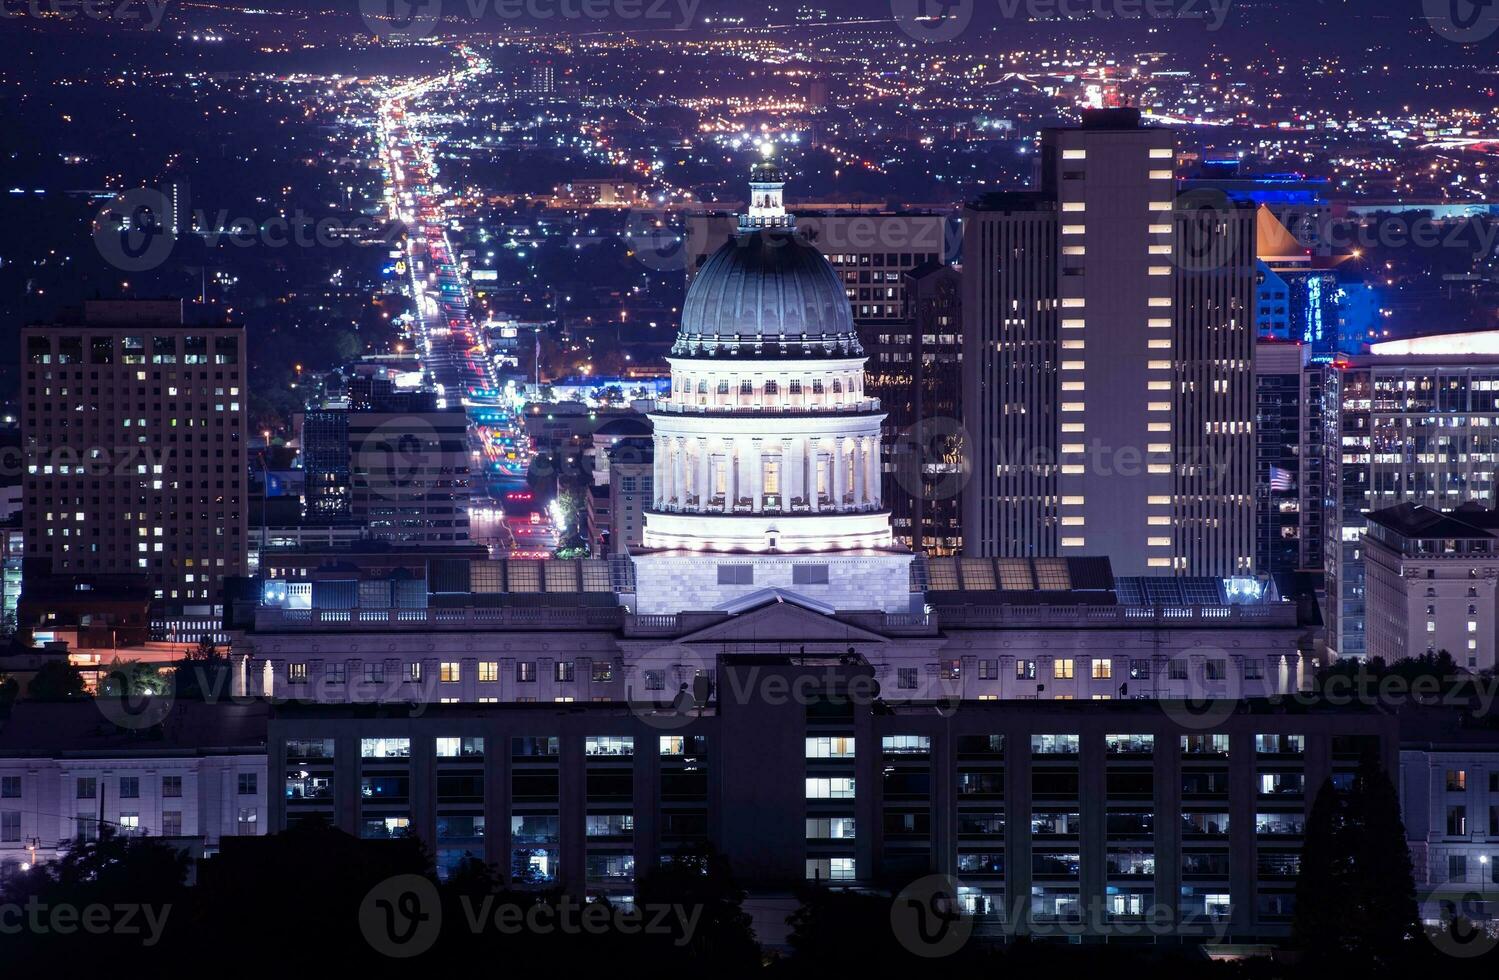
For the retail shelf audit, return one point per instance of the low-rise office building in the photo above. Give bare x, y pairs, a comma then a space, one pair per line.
1431, 583
1092, 816
1449, 801
69, 769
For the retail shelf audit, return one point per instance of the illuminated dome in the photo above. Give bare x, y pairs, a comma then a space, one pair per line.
767, 293
767, 441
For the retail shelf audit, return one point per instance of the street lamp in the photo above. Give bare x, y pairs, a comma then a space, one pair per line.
1483, 883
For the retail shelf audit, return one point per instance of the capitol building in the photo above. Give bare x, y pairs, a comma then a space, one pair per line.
767, 452
766, 535
768, 673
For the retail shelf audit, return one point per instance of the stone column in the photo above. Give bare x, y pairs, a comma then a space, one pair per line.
658, 471
757, 474
840, 472
814, 473
872, 474
704, 474
794, 459
787, 468
857, 452
730, 449
679, 474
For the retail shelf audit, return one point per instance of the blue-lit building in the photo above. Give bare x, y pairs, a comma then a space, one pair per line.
1302, 294
1297, 201
1312, 304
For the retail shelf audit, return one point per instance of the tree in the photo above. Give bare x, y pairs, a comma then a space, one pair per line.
131, 678
1320, 917
309, 873
701, 879
843, 931
57, 680
1382, 864
1436, 672
205, 650
347, 346
1356, 893
114, 872
10, 689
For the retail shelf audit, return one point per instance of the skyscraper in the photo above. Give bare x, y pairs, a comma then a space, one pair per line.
1280, 397
325, 459
915, 371
133, 428
1108, 361
409, 467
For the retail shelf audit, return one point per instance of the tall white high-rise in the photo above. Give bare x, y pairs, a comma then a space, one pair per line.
1109, 361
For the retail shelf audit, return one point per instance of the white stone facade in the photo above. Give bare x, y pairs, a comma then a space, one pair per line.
668, 582
773, 452
1003, 653
1420, 604
1449, 799
47, 801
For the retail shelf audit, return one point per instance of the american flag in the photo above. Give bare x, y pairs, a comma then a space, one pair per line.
1281, 480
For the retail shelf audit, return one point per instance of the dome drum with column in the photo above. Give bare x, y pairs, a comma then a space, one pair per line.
767, 441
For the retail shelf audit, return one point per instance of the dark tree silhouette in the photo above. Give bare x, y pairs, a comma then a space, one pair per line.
57, 680
206, 649
103, 877
10, 689
700, 879
1356, 894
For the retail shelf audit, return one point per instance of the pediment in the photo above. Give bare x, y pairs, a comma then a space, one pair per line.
783, 617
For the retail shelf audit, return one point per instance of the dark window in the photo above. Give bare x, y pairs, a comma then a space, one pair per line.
809, 574
736, 575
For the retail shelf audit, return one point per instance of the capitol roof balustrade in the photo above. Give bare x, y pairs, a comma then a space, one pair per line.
853, 406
